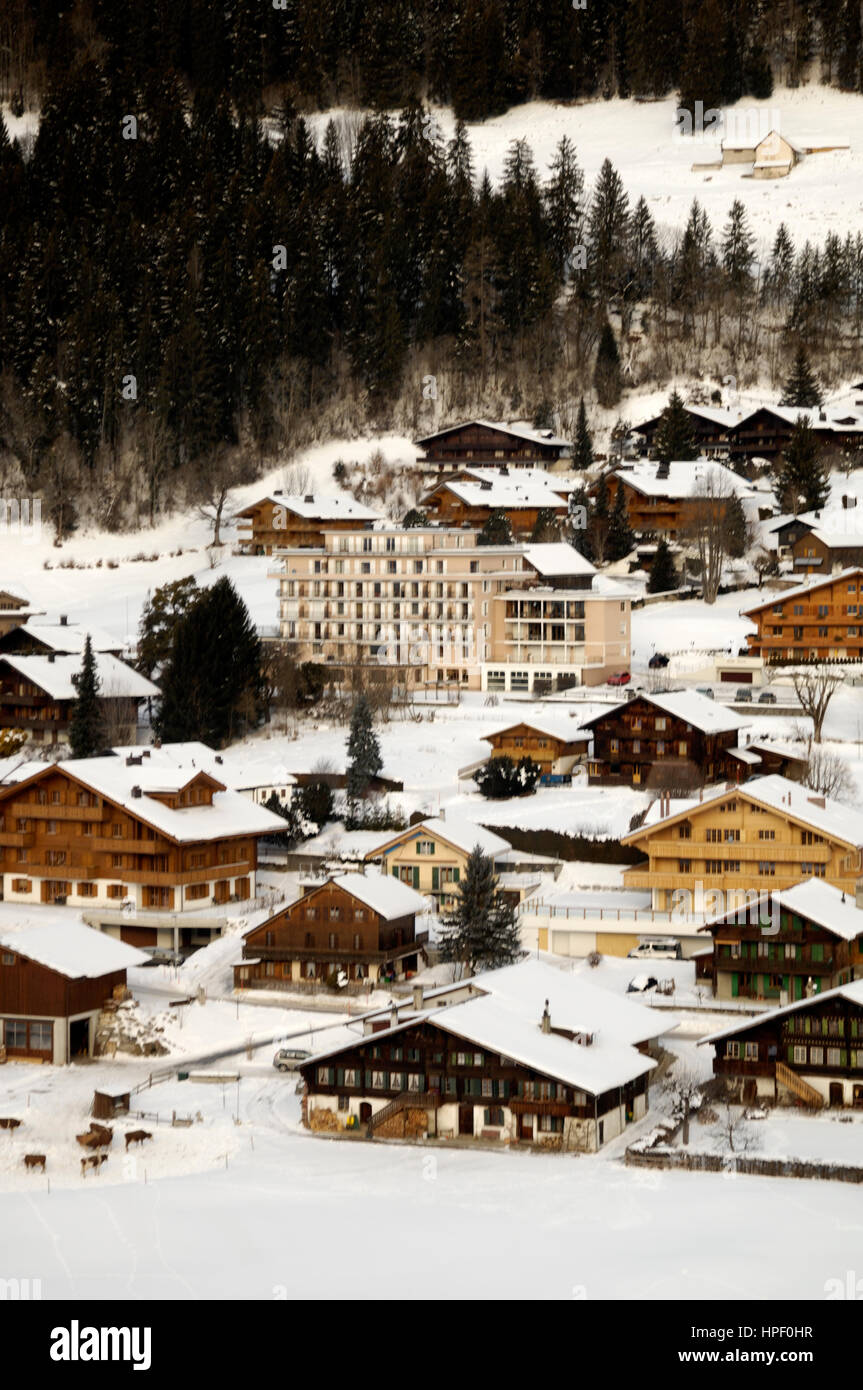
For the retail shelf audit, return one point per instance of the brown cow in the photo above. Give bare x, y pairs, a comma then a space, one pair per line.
137, 1136
7, 1123
94, 1161
35, 1161
106, 1134
89, 1141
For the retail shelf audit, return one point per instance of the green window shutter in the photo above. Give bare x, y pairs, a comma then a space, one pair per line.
735, 981
395, 870
455, 875
416, 876
435, 879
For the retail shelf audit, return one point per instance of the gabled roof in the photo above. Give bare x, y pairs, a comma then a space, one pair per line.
684, 478
73, 950
800, 590
698, 710
833, 819
62, 637
532, 436
853, 992
316, 507
54, 677
555, 558
384, 895
817, 901
565, 728
509, 493
462, 835
230, 814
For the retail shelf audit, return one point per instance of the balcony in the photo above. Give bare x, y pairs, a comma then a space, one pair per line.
20, 839
345, 954
64, 813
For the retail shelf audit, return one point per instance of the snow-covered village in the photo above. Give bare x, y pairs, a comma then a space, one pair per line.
431, 651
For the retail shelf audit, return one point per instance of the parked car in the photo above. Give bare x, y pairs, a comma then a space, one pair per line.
661, 947
620, 678
288, 1058
767, 698
704, 690
162, 955
657, 661
640, 983
744, 697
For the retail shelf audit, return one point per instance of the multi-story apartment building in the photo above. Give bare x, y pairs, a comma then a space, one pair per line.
822, 620
765, 835
433, 607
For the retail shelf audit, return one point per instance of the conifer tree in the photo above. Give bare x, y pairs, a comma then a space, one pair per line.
802, 387
735, 527
674, 436
620, 538
546, 527
582, 453
801, 482
606, 374
159, 618
738, 246
364, 751
578, 522
663, 576
87, 732
497, 530
481, 932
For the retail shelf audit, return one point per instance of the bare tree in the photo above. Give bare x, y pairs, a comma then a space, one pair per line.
212, 484
828, 774
815, 687
684, 1089
706, 531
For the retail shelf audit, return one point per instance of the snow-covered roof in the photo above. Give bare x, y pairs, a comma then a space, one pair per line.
236, 768
505, 1016
518, 431
54, 676
745, 755
316, 507
556, 558
816, 900
62, 637
508, 493
461, 834
800, 590
230, 813
853, 992
73, 950
683, 478
565, 727
830, 421
698, 710
834, 819
383, 894
527, 472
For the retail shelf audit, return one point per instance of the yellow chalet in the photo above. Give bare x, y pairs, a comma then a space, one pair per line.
555, 746
766, 835
432, 856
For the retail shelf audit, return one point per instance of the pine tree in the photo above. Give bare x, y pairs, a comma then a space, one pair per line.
414, 518
802, 387
364, 751
701, 75
87, 732
578, 522
608, 231
563, 200
674, 436
738, 247
735, 528
582, 454
606, 373
801, 482
546, 527
620, 538
663, 576
497, 530
481, 932
159, 618
212, 686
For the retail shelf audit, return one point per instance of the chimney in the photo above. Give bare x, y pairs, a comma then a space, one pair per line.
309, 497
546, 1019
132, 761
64, 619
394, 1015
418, 996
52, 657
815, 801
136, 792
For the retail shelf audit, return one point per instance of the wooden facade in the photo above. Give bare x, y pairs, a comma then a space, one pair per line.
823, 621
326, 931
36, 1002
752, 961
45, 718
553, 753
640, 742
733, 842
478, 441
14, 610
447, 1085
446, 507
811, 1052
62, 841
276, 521
660, 513
814, 554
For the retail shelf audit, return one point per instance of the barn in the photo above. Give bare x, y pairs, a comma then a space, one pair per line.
54, 980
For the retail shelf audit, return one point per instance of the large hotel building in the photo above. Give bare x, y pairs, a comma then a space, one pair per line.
439, 609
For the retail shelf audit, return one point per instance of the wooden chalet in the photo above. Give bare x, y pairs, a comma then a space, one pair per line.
767, 833
37, 694
111, 832
806, 1053
819, 621
515, 1056
471, 501
556, 748
667, 499
355, 929
822, 550
712, 427
33, 638
283, 520
484, 441
54, 981
787, 945
431, 856
679, 739
15, 609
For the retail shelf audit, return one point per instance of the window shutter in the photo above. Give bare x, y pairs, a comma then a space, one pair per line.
435, 879
455, 875
416, 876
395, 870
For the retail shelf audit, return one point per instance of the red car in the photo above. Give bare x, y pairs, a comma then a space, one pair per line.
622, 678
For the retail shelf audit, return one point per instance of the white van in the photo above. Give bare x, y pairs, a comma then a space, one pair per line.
656, 948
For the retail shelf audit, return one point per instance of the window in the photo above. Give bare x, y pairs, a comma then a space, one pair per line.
551, 1124
493, 1116
41, 1035
660, 724
766, 868
684, 866
333, 941
380, 1080
767, 834
834, 1057
7, 958
751, 1051
816, 1056
425, 846
350, 1077
798, 1054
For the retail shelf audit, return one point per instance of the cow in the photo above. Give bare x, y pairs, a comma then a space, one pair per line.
34, 1161
94, 1161
7, 1123
105, 1133
89, 1141
137, 1136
